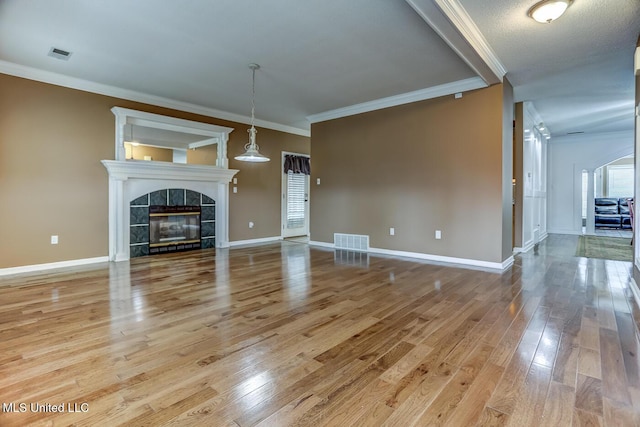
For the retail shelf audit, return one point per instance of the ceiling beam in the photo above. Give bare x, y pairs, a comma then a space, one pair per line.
454, 25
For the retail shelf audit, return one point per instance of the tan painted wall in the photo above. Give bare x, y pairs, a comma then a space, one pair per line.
507, 169
206, 155
259, 185
52, 182
420, 167
140, 151
518, 158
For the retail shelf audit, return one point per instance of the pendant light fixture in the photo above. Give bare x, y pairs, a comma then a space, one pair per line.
547, 11
251, 153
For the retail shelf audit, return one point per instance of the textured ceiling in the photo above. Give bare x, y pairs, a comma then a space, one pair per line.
316, 55
322, 55
578, 70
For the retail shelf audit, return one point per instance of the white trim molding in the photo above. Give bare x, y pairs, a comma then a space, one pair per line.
142, 169
452, 23
255, 241
405, 98
51, 266
635, 290
526, 248
321, 244
131, 95
214, 134
453, 261
566, 231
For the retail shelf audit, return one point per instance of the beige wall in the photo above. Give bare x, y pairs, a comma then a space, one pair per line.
259, 185
507, 169
421, 167
139, 152
52, 182
518, 158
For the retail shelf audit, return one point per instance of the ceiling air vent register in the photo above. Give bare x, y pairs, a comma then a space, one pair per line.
58, 53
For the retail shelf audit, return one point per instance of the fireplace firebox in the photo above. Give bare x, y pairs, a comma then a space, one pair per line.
174, 228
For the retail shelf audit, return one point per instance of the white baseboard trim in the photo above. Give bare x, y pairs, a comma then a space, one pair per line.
635, 291
321, 244
525, 248
543, 236
507, 263
255, 241
564, 231
437, 258
51, 265
447, 260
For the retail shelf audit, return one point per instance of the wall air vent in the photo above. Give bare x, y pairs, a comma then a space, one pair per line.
57, 53
351, 242
575, 133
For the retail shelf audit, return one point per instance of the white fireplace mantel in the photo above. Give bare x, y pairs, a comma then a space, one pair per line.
130, 179
142, 169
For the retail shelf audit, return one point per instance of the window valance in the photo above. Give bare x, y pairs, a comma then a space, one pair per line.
297, 164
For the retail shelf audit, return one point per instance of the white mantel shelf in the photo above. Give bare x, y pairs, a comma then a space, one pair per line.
142, 169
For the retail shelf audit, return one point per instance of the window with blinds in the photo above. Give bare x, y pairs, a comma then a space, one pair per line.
620, 181
295, 199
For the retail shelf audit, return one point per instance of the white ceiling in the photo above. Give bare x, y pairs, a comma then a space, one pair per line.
319, 56
578, 70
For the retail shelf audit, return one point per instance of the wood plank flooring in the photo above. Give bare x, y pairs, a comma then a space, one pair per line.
287, 335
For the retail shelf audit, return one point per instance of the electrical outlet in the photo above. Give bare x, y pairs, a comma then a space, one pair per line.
54, 240
235, 189
251, 224
438, 234
318, 181
392, 231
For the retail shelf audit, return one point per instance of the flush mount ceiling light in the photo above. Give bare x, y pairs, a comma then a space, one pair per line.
251, 153
547, 11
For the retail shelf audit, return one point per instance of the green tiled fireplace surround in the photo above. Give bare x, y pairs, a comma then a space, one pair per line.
139, 216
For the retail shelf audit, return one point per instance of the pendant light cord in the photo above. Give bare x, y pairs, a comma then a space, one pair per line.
253, 96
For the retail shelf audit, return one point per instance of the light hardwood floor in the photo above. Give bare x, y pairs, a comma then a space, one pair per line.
287, 335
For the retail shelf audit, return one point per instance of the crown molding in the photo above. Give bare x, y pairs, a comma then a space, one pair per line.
57, 79
533, 113
470, 31
405, 98
456, 28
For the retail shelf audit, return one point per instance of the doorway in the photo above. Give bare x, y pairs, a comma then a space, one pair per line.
295, 194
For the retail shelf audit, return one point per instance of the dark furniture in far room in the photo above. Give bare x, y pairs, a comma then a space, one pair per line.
612, 212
